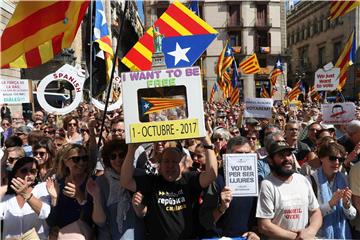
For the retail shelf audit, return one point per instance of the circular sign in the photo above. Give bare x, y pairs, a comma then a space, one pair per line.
115, 105
67, 73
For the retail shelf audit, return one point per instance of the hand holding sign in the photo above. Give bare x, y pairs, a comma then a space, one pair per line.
226, 197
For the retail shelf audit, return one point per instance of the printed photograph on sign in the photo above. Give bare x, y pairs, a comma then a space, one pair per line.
162, 104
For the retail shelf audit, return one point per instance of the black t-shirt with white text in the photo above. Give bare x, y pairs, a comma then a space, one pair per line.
169, 205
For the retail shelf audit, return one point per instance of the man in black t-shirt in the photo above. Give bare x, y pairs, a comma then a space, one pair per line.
168, 198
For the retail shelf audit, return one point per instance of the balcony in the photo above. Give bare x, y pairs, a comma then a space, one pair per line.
234, 25
263, 23
260, 2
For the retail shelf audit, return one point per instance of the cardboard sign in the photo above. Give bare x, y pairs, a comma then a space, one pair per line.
338, 113
14, 91
241, 174
326, 80
67, 73
161, 105
258, 107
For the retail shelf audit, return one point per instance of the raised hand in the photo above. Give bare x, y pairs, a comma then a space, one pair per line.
20, 186
226, 197
70, 190
52, 188
93, 188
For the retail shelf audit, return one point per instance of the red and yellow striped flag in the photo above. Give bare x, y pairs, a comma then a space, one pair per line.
250, 65
151, 105
264, 93
212, 94
38, 30
346, 59
340, 8
295, 92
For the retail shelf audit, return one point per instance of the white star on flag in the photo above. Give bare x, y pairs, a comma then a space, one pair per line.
179, 54
146, 106
102, 13
228, 51
278, 63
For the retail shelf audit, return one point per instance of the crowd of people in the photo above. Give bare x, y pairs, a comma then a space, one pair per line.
57, 183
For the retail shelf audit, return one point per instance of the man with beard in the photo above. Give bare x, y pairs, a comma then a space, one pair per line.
287, 207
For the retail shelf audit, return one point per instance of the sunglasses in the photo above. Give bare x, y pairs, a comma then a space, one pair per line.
6, 124
51, 117
38, 123
49, 132
32, 171
220, 139
114, 156
334, 158
236, 132
72, 124
41, 154
11, 159
251, 138
76, 159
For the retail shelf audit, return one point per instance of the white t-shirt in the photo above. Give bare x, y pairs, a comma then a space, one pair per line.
18, 220
287, 204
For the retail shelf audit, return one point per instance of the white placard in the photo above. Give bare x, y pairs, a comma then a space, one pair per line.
14, 91
161, 105
67, 73
338, 113
327, 80
258, 107
241, 174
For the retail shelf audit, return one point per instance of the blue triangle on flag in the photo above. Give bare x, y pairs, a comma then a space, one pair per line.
183, 51
145, 106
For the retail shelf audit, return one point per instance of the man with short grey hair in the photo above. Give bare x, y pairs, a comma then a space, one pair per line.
351, 141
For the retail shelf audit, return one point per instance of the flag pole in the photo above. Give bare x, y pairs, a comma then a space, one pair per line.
91, 49
112, 73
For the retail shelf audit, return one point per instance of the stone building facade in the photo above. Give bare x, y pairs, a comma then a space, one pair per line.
313, 41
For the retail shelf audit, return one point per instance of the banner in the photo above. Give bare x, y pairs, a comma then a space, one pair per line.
161, 105
258, 107
338, 113
241, 174
14, 91
326, 80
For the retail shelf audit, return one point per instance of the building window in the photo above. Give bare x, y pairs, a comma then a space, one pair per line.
234, 14
315, 26
321, 26
261, 15
235, 38
262, 62
321, 53
304, 60
337, 50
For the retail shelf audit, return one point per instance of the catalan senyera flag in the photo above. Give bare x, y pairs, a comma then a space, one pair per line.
273, 90
264, 93
224, 62
346, 59
296, 91
38, 30
151, 105
235, 92
186, 37
212, 94
250, 65
340, 8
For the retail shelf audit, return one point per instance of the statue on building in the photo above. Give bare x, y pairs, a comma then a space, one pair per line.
157, 39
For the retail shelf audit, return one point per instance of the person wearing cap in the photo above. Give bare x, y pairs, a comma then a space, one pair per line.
167, 200
23, 133
287, 207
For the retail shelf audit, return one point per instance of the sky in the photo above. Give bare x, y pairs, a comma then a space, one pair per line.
140, 9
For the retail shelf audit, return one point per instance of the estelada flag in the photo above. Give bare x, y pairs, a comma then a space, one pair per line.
346, 59
264, 93
151, 105
250, 65
186, 37
38, 30
340, 8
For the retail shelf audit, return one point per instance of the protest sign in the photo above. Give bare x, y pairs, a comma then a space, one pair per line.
258, 107
65, 73
326, 80
338, 113
241, 174
162, 105
116, 88
14, 91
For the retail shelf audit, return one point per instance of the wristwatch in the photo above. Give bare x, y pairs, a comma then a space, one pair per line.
211, 146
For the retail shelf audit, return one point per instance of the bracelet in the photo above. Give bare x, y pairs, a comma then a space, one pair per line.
27, 199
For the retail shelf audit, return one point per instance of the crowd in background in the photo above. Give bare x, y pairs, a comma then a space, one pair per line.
56, 183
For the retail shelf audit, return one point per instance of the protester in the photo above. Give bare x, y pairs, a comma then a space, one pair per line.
12, 155
287, 207
25, 205
23, 133
44, 153
6, 125
168, 198
312, 130
219, 213
69, 192
118, 219
332, 191
71, 124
